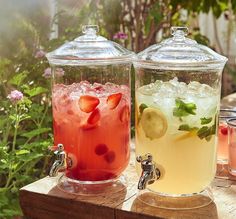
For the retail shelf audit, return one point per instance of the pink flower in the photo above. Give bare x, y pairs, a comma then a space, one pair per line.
47, 73
40, 54
15, 96
120, 36
59, 72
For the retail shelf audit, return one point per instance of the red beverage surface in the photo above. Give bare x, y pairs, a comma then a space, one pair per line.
92, 121
223, 148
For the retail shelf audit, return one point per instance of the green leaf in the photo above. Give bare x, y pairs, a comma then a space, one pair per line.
29, 157
203, 132
3, 199
35, 91
11, 212
186, 127
183, 109
205, 120
19, 78
23, 151
35, 132
142, 107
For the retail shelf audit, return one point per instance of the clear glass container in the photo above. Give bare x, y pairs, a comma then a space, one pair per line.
91, 109
223, 148
232, 145
178, 87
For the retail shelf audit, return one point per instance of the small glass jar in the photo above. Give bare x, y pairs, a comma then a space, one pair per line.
223, 147
178, 87
91, 109
232, 145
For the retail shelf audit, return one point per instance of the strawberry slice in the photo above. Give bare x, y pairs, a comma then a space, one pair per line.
125, 114
113, 100
88, 103
94, 117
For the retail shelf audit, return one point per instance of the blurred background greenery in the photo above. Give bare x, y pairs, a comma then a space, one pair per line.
30, 28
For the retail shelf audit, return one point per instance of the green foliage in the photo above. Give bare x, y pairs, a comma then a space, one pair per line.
25, 127
217, 6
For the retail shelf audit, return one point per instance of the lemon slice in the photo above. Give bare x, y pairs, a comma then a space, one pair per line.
154, 123
186, 135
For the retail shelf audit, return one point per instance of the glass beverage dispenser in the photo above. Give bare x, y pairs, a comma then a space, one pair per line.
91, 111
178, 87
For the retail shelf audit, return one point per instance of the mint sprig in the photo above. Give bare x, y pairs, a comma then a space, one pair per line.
205, 132
183, 109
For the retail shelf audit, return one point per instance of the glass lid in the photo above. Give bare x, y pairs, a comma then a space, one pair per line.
90, 48
179, 51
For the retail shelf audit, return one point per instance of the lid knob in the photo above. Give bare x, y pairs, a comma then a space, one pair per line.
179, 33
90, 29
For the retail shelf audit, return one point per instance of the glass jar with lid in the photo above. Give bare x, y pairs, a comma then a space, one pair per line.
91, 110
178, 87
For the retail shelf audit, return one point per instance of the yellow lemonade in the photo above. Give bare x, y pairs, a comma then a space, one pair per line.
176, 123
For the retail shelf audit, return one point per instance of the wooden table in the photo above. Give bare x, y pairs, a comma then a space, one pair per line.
43, 200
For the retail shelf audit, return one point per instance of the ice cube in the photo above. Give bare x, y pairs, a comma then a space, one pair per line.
148, 89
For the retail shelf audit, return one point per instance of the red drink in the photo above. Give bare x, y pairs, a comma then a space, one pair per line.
92, 121
232, 145
223, 148
232, 158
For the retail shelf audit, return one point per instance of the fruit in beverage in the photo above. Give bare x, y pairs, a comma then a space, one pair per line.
113, 100
88, 103
154, 123
125, 114
94, 117
101, 149
110, 156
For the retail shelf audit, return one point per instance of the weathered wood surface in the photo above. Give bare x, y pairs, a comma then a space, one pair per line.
43, 199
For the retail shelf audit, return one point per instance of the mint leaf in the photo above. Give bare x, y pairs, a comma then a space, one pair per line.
186, 127
142, 107
203, 132
184, 109
206, 132
205, 120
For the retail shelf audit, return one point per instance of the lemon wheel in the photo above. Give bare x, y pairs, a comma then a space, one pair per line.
154, 123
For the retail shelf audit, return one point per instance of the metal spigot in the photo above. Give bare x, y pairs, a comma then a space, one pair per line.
60, 162
150, 173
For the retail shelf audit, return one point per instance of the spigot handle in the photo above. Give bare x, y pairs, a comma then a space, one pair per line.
150, 173
147, 157
60, 162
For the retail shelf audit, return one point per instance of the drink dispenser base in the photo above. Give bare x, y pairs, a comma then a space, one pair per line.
92, 188
176, 202
91, 113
